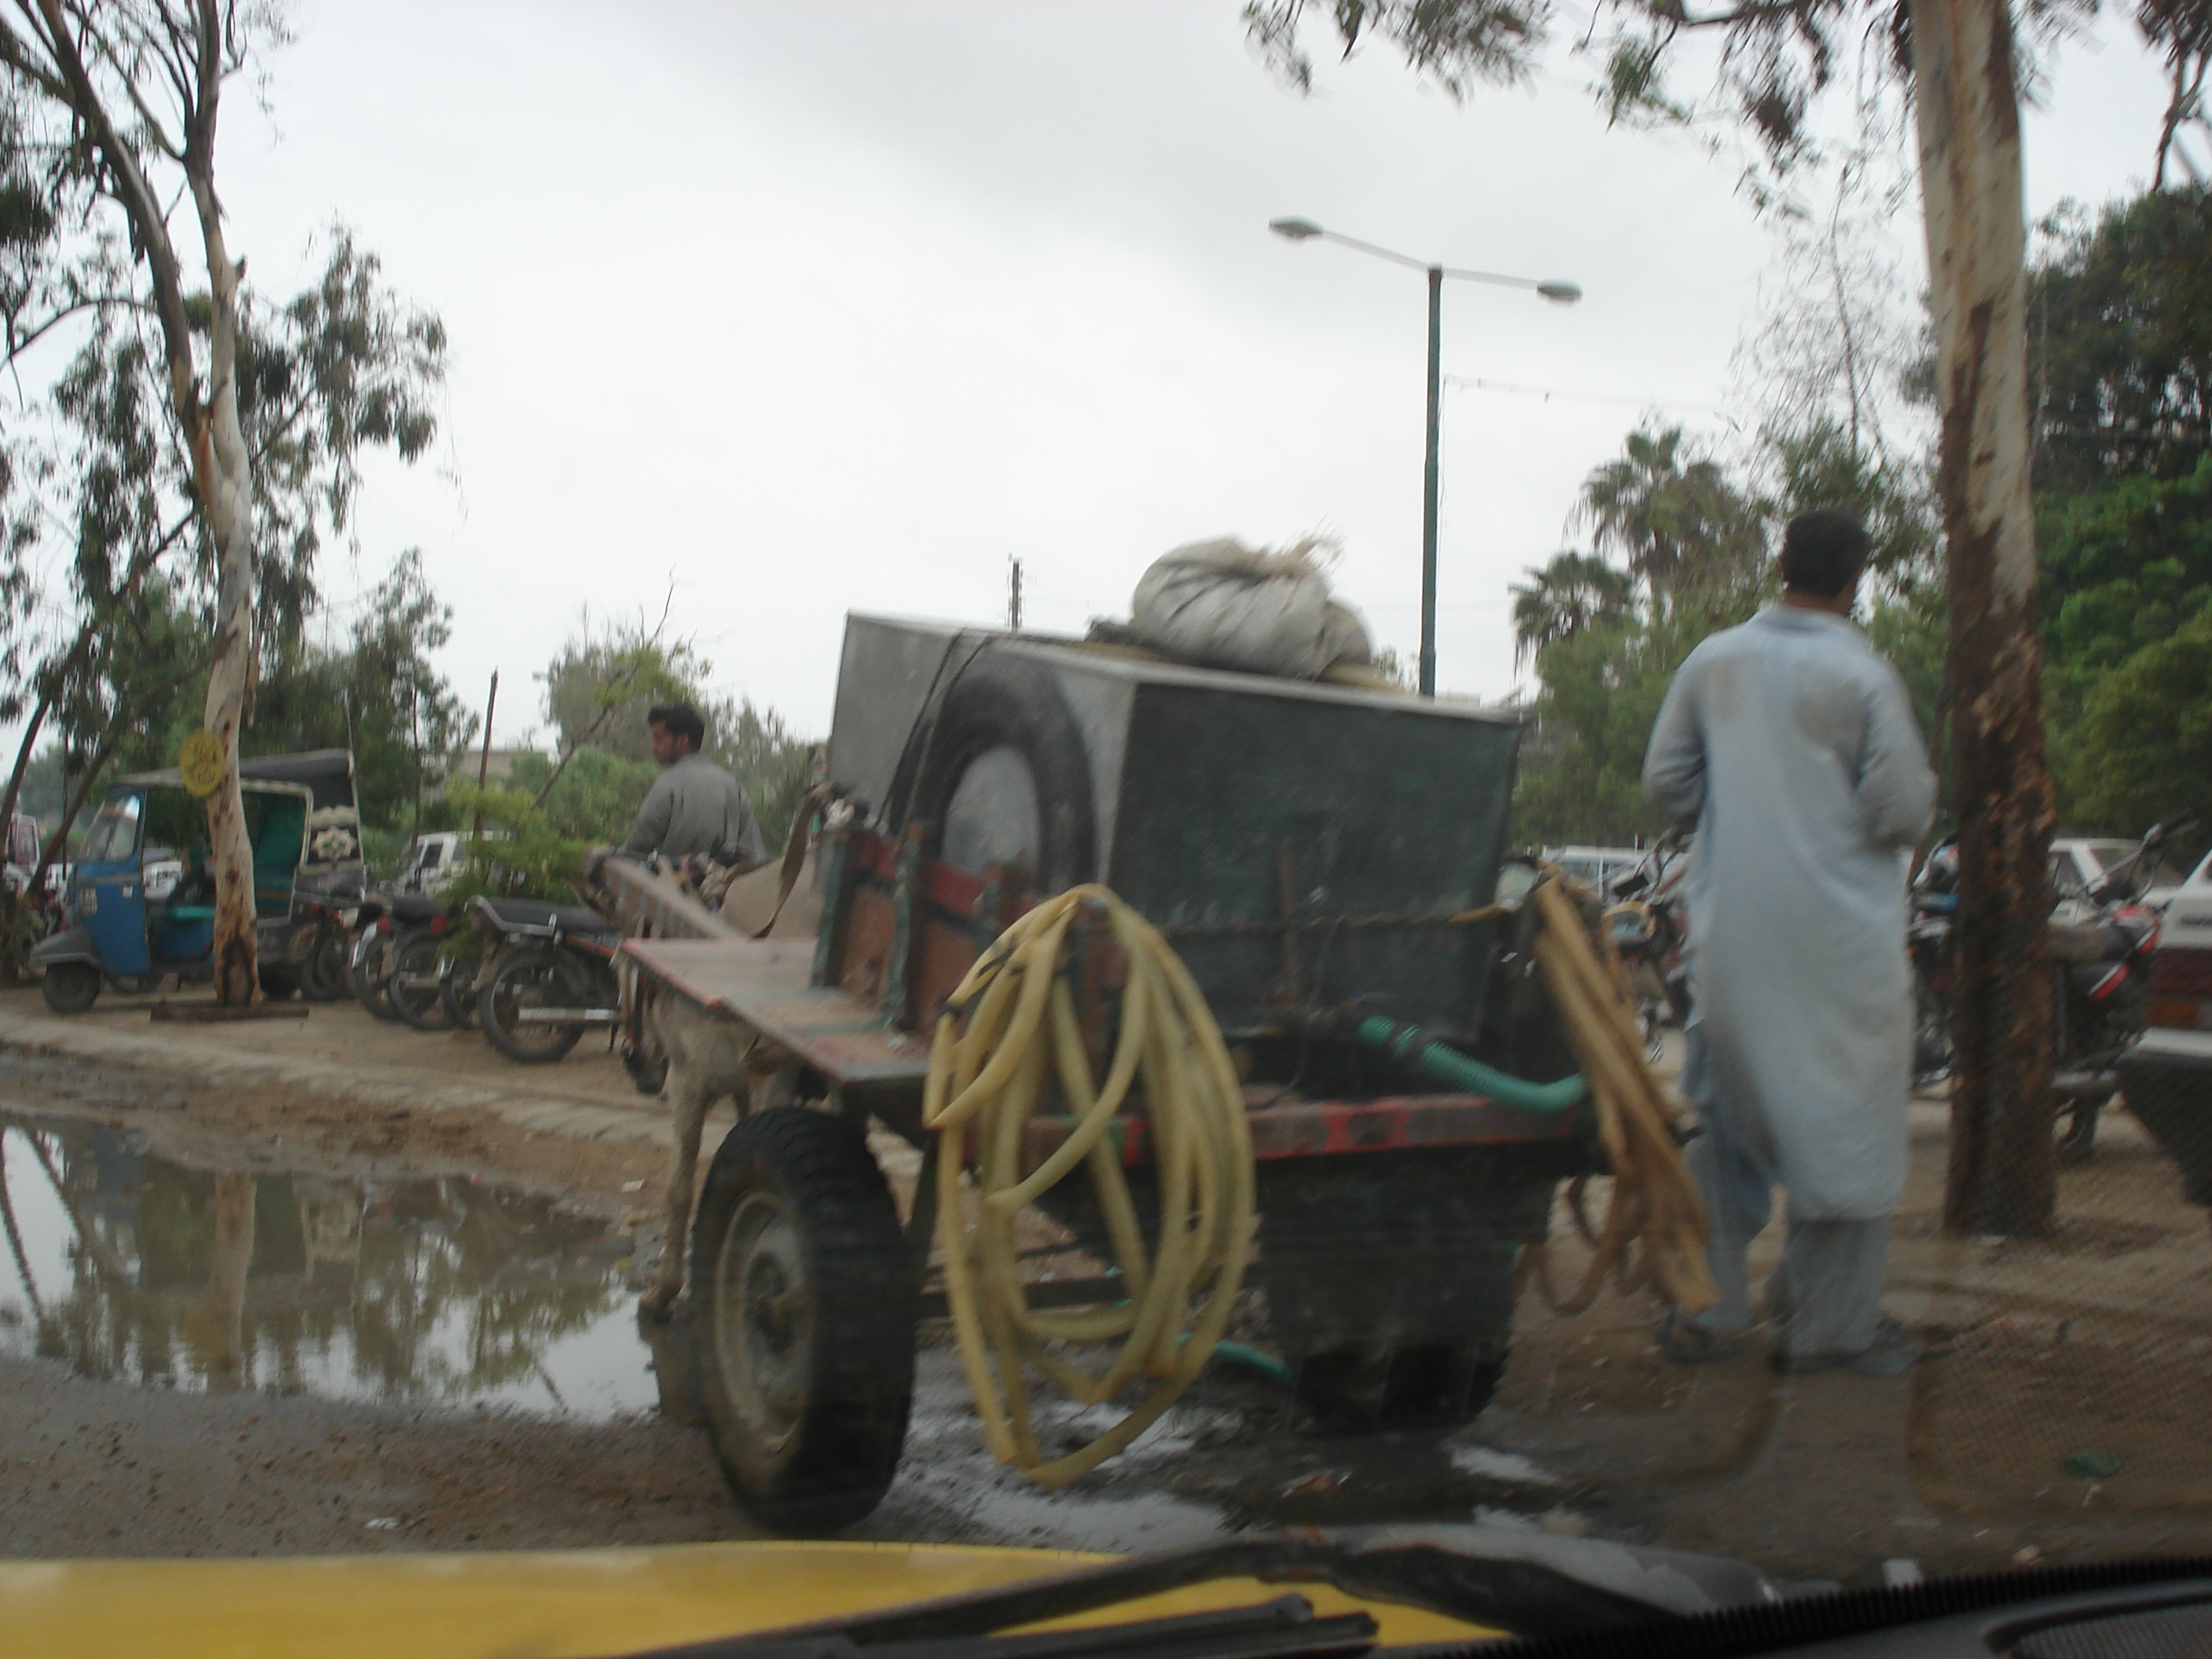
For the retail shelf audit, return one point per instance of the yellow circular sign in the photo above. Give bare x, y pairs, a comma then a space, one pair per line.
199, 763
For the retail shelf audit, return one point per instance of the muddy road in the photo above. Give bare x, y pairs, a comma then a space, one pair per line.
241, 1316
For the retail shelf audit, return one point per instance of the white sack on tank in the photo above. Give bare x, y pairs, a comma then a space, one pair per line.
1228, 606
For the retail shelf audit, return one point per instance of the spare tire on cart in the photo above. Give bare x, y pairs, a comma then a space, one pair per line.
804, 1302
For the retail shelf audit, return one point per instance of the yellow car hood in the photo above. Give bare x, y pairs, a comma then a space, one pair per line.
569, 1603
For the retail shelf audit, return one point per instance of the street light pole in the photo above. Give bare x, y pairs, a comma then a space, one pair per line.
1429, 483
1300, 230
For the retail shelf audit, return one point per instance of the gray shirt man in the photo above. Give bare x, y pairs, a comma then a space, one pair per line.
695, 807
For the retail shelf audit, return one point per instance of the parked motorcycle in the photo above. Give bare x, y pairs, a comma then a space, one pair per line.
1649, 921
548, 973
2102, 940
385, 921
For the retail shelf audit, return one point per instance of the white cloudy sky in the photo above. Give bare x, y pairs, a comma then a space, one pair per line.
805, 308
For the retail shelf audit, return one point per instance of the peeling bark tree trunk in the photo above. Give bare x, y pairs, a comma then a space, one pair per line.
219, 463
2003, 1168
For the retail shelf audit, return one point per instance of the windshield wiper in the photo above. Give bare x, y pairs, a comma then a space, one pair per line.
1530, 1583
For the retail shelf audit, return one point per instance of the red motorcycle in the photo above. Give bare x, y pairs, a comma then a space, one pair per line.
2102, 939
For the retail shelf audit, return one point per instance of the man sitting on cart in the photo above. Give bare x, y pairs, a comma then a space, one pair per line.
696, 813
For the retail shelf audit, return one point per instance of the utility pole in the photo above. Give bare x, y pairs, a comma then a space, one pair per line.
483, 760
1014, 596
1428, 670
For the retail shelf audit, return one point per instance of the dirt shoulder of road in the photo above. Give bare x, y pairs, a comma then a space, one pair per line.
340, 1086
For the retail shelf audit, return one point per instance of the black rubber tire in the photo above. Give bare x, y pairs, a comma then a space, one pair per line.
69, 988
1003, 701
280, 982
1434, 1385
532, 974
422, 1010
2075, 1131
322, 975
797, 1264
367, 989
456, 989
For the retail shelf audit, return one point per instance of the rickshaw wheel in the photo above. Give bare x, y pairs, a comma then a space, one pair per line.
802, 1302
69, 988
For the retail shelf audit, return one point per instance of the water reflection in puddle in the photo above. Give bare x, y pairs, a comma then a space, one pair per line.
136, 1269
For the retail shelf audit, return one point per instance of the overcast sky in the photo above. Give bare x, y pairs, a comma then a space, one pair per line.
807, 308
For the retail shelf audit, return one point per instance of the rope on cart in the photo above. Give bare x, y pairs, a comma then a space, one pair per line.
1654, 1200
1012, 1024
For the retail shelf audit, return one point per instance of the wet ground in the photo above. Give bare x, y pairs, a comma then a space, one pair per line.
237, 1320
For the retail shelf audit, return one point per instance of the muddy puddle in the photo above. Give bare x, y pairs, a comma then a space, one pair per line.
134, 1268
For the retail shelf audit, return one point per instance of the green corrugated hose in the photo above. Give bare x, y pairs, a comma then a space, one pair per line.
1449, 1065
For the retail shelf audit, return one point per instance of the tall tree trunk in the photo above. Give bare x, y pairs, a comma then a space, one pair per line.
225, 487
2004, 1170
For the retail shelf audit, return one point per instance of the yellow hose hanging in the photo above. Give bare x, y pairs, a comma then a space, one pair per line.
1011, 1022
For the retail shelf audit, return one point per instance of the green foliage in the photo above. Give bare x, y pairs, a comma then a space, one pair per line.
379, 694
522, 855
595, 798
598, 690
1581, 775
1573, 592
597, 693
2120, 340
2145, 748
1682, 528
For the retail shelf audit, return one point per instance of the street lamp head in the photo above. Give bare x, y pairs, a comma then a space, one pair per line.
1560, 294
1297, 230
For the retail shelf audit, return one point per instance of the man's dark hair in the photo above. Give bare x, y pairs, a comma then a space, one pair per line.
1823, 552
679, 720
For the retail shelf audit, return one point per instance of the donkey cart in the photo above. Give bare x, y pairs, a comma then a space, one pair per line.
1278, 895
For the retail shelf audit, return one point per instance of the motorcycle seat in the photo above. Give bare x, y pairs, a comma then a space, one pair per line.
2095, 943
518, 916
413, 907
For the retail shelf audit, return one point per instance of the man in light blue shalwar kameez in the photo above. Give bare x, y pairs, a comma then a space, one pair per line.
1793, 747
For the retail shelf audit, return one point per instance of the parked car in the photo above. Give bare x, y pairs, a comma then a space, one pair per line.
2166, 1078
1596, 866
2078, 864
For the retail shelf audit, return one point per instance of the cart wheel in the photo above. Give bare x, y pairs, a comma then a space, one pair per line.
2076, 1130
1430, 1385
70, 988
803, 1303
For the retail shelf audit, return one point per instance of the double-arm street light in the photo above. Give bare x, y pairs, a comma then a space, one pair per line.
1565, 294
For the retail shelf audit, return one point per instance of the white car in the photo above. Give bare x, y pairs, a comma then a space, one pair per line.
2079, 863
1595, 866
2167, 1077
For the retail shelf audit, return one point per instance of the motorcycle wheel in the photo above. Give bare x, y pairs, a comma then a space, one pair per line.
323, 974
457, 990
365, 979
2075, 1129
532, 978
418, 1006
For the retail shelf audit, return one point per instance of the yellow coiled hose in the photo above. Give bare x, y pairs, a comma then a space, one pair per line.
1012, 1024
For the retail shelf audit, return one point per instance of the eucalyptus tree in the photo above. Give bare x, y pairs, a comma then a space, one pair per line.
123, 98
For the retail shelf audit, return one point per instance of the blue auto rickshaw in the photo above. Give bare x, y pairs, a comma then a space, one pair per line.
141, 899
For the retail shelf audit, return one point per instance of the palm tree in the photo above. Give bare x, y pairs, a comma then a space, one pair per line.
1563, 598
1678, 525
